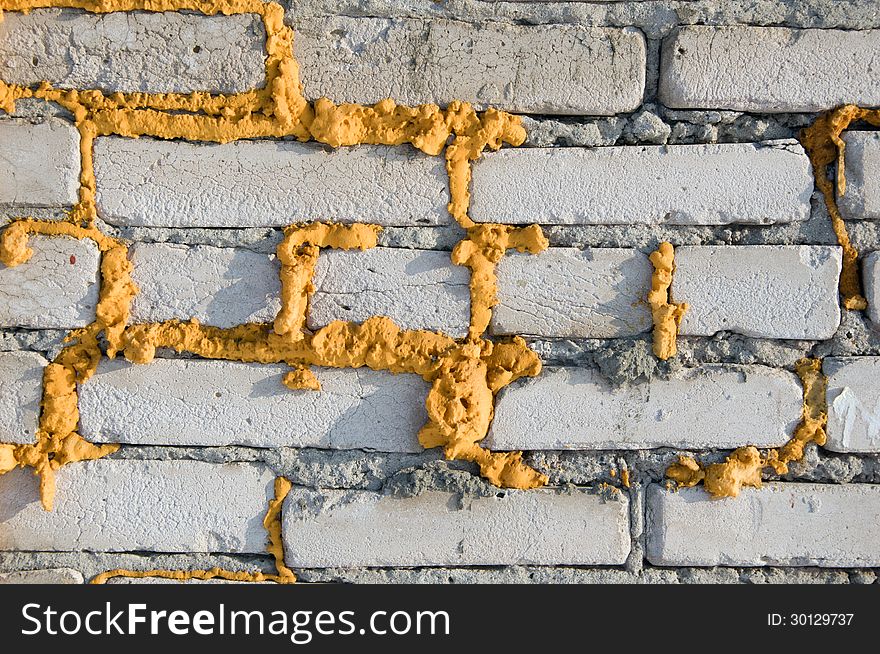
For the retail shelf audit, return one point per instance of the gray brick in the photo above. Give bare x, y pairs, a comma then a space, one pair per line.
871, 280
764, 291
149, 182
361, 528
418, 289
218, 286
862, 167
780, 524
133, 51
566, 292
20, 392
39, 163
853, 403
48, 576
769, 69
158, 506
548, 69
717, 184
212, 403
713, 406
57, 288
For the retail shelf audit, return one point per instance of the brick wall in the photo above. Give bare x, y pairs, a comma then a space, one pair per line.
645, 122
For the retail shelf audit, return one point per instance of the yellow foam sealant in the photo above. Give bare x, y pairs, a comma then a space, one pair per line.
745, 465
666, 315
272, 525
822, 142
465, 376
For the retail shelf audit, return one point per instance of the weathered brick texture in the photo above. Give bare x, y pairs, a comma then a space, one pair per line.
871, 276
185, 402
678, 184
773, 291
853, 403
418, 289
39, 165
265, 184
824, 525
360, 528
861, 201
217, 286
159, 506
133, 51
711, 406
769, 69
49, 576
21, 386
569, 292
56, 288
550, 69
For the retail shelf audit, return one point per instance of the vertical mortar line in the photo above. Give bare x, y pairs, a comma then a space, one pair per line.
635, 562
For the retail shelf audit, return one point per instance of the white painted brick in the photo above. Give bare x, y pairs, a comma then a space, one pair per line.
566, 292
218, 286
871, 279
542, 527
157, 506
418, 289
39, 163
133, 51
548, 69
57, 288
194, 402
757, 183
21, 387
713, 406
853, 396
862, 168
769, 69
47, 576
764, 291
265, 184
780, 524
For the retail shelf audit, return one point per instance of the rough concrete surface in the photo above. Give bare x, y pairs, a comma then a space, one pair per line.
39, 163
192, 402
545, 69
21, 387
148, 182
679, 185
761, 291
133, 51
871, 281
56, 288
47, 576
